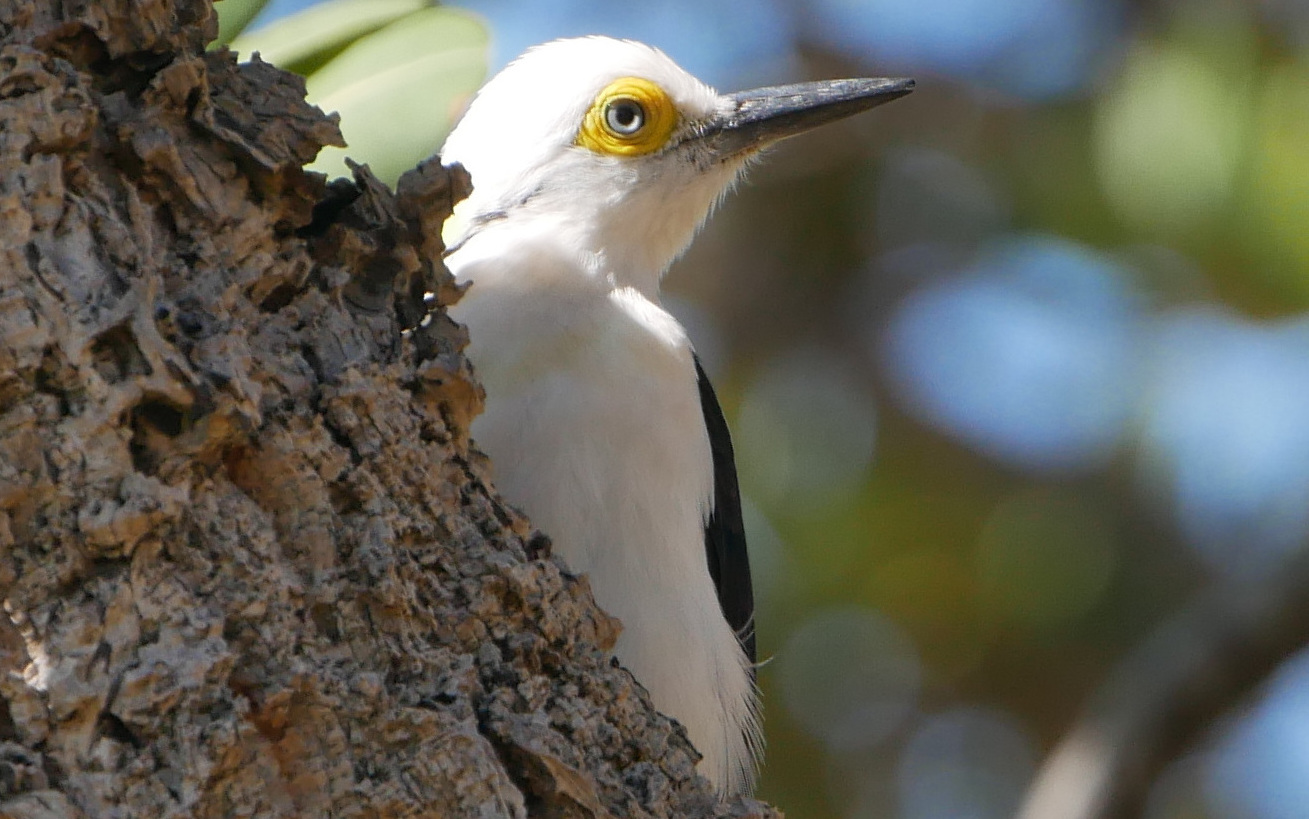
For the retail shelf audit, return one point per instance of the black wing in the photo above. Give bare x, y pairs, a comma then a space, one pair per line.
724, 532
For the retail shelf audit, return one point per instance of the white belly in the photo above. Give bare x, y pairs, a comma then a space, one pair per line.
594, 425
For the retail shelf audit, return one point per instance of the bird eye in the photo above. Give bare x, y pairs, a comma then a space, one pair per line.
631, 116
624, 116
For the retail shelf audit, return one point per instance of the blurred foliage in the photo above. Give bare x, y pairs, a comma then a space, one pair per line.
234, 16
307, 41
1014, 365
398, 72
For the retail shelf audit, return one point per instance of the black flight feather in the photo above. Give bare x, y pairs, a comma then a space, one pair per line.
724, 533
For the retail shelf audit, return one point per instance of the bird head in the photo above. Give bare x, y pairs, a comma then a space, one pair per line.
612, 145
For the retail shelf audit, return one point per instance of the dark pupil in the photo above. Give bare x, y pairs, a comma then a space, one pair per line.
625, 114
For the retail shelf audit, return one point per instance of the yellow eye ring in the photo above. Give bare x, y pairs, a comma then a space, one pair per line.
630, 117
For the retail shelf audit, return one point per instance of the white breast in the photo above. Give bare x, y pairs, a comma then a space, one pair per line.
594, 425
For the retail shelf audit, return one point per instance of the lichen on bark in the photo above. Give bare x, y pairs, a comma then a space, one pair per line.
251, 564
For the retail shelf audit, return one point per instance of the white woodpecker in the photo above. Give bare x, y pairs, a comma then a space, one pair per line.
594, 161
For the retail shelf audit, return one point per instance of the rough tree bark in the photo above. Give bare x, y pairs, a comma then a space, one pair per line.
250, 564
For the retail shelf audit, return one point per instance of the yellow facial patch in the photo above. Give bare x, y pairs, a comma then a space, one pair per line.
630, 117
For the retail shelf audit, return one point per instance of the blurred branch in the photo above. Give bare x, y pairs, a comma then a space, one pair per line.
1193, 669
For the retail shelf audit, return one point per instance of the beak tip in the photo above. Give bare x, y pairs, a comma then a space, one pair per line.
898, 87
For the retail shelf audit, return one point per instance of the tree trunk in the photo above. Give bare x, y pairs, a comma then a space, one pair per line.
250, 564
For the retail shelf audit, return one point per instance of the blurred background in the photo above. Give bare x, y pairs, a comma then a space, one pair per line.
1015, 365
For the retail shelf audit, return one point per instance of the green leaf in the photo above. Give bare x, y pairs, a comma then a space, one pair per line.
234, 16
399, 90
305, 41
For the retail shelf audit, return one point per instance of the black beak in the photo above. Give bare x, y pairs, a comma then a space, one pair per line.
765, 115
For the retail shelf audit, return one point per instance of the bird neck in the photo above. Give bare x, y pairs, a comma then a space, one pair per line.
613, 254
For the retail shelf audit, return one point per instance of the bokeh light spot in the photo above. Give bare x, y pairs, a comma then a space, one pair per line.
1276, 197
967, 763
1225, 437
728, 38
1169, 140
849, 677
1030, 48
1045, 557
1028, 355
1260, 770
